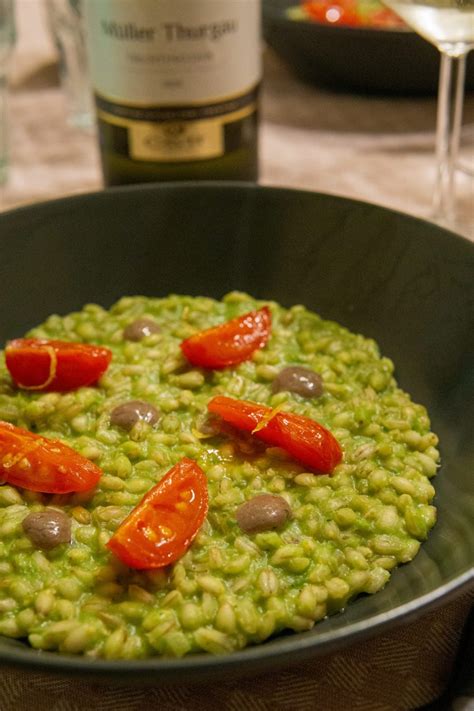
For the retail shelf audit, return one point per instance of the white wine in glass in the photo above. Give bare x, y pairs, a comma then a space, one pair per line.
449, 25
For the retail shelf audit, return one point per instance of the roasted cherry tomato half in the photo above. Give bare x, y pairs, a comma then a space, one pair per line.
162, 527
42, 364
39, 464
304, 439
230, 343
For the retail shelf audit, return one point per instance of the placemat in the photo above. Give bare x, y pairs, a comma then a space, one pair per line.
402, 670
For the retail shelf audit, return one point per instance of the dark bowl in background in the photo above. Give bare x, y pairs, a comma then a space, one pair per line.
402, 281
387, 61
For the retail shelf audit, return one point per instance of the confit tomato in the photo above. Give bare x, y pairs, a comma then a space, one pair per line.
53, 365
229, 343
37, 463
163, 525
303, 438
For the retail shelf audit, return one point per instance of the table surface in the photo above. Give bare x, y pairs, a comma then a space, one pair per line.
373, 148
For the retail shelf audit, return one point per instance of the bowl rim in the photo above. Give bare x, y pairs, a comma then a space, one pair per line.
226, 185
284, 650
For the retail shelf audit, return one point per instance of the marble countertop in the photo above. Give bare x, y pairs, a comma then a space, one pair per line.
373, 148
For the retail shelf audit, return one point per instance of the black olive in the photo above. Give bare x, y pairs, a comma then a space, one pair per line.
129, 413
300, 380
136, 330
47, 529
262, 513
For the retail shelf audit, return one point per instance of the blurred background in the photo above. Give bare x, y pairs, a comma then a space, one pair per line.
332, 126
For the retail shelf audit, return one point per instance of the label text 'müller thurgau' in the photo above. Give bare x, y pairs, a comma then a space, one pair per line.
173, 31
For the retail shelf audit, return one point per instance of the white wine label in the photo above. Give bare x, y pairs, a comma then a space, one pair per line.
175, 141
173, 52
173, 74
192, 140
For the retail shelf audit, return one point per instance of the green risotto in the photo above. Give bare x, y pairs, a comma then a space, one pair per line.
337, 535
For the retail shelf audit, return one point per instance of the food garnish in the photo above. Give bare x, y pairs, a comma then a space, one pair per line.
263, 512
47, 529
229, 343
303, 438
160, 529
53, 365
36, 463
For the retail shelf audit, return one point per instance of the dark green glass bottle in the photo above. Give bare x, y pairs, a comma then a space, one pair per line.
176, 86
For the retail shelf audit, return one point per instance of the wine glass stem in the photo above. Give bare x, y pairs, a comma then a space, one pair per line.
448, 132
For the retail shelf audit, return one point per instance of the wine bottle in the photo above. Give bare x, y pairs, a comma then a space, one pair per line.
176, 86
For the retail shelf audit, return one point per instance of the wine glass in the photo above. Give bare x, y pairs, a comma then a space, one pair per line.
449, 25
65, 19
7, 40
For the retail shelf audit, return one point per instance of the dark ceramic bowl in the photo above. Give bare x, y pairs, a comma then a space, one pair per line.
402, 281
368, 60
